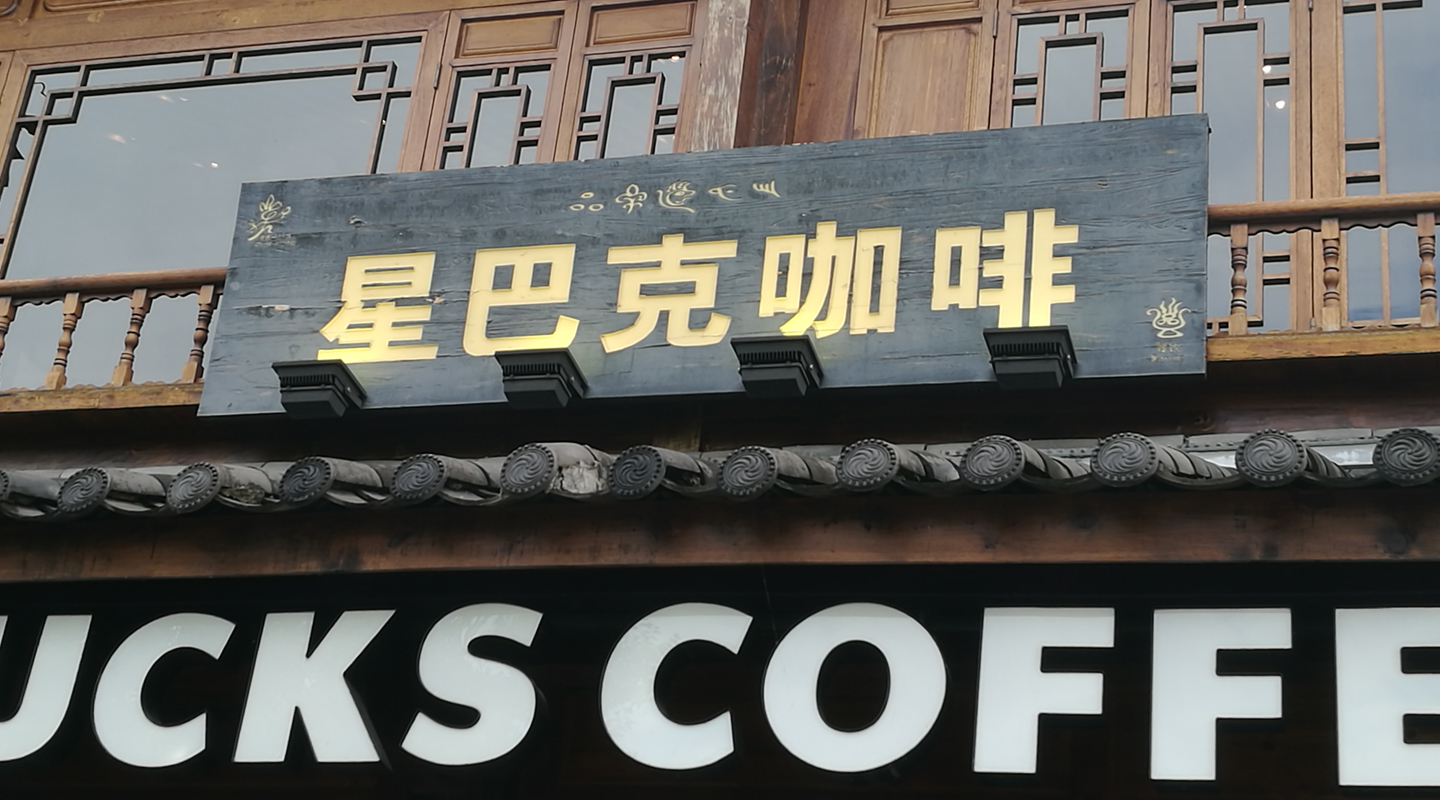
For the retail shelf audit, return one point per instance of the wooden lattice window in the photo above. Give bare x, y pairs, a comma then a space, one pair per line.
1071, 66
1390, 117
159, 145
564, 80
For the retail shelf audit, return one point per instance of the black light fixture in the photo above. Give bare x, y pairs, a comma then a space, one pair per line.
1031, 358
318, 389
541, 378
777, 366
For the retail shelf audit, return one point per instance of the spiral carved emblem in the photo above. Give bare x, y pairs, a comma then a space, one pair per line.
1408, 457
748, 472
1125, 459
307, 479
992, 463
418, 478
530, 469
637, 472
193, 488
868, 464
84, 491
1270, 458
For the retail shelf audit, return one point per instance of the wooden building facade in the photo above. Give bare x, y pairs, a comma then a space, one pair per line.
1298, 473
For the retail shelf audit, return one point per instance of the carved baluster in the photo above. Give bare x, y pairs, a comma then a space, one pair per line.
1239, 260
1425, 229
7, 316
71, 309
194, 368
139, 307
1330, 250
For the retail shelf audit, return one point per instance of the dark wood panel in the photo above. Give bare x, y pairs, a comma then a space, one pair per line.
1137, 526
1121, 202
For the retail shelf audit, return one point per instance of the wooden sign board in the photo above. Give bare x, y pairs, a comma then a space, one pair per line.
892, 255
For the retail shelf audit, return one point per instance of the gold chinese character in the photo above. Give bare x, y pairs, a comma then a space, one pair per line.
381, 280
670, 253
632, 198
676, 196
725, 192
837, 263
484, 295
1009, 296
1045, 265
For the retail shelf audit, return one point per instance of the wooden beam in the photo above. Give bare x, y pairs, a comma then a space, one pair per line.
118, 283
1280, 216
131, 396
1322, 345
722, 64
1163, 526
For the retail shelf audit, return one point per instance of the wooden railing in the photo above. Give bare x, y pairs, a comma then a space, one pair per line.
1326, 220
140, 288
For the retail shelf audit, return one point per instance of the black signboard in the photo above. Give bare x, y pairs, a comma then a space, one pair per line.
170, 688
892, 255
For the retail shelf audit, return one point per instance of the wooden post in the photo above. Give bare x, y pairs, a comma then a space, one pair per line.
1425, 231
1330, 250
194, 367
1239, 260
72, 308
139, 307
7, 315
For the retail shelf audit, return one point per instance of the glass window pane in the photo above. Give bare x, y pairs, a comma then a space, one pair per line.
1229, 98
672, 67
1185, 34
627, 125
494, 129
1112, 108
1362, 160
1362, 115
1022, 115
302, 59
1412, 86
1112, 35
189, 68
1277, 143
596, 82
1276, 18
1404, 258
172, 163
1027, 44
1182, 102
1277, 307
405, 55
538, 80
1069, 84
465, 88
392, 134
1362, 274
